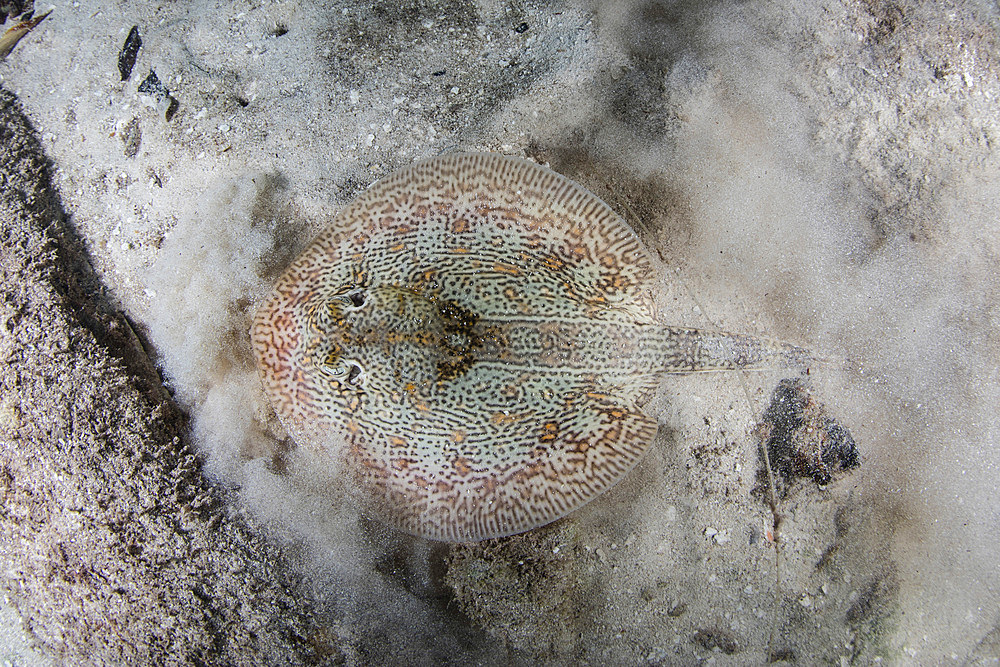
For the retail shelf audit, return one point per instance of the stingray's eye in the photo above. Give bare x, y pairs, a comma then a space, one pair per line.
356, 298
348, 372
336, 368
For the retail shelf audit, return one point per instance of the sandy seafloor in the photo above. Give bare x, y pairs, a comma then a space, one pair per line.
823, 173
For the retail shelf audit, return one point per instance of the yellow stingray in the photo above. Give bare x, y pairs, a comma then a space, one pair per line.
478, 330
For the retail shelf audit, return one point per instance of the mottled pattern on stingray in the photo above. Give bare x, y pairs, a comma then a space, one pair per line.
471, 326
477, 330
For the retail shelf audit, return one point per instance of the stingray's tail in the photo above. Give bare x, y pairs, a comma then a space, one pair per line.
693, 350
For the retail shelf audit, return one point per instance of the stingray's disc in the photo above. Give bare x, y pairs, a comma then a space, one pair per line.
470, 327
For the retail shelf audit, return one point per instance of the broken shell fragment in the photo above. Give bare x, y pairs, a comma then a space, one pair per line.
129, 52
14, 33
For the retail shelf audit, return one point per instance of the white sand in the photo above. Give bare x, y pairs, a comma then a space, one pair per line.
827, 176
